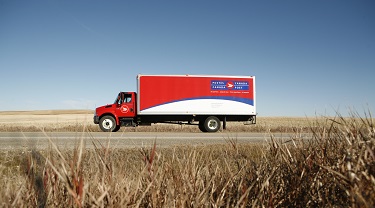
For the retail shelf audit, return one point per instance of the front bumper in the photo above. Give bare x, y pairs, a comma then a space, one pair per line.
96, 119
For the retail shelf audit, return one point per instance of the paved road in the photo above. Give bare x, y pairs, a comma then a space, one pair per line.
40, 140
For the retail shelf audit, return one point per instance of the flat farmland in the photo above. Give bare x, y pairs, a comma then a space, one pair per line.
77, 120
44, 120
35, 128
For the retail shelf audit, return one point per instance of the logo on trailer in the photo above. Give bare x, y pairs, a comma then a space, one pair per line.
229, 85
124, 109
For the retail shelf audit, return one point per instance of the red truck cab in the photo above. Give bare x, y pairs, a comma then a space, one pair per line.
123, 109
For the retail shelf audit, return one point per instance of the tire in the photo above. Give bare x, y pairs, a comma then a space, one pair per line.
201, 126
212, 124
108, 124
117, 128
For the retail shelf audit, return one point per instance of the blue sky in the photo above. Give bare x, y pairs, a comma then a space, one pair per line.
309, 57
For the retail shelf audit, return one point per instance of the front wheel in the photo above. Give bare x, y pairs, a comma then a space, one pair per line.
108, 124
212, 124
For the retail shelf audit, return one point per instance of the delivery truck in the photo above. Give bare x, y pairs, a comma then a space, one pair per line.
204, 100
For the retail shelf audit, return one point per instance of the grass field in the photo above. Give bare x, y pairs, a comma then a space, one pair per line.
335, 168
76, 120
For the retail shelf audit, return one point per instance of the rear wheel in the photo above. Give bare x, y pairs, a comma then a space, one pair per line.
108, 124
212, 124
201, 126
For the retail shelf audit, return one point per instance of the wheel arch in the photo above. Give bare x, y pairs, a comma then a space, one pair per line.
110, 114
204, 117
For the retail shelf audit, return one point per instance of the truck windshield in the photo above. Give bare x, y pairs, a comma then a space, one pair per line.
118, 99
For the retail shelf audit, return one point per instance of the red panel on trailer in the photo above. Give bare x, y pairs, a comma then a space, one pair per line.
160, 90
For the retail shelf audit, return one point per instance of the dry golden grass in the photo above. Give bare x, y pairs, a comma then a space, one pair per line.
335, 168
75, 120
56, 120
47, 112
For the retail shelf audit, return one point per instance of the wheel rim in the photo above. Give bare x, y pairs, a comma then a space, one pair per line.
107, 124
212, 124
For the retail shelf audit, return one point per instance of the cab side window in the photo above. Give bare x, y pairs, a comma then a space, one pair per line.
127, 98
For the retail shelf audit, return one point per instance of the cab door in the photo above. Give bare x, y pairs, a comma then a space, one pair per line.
126, 104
